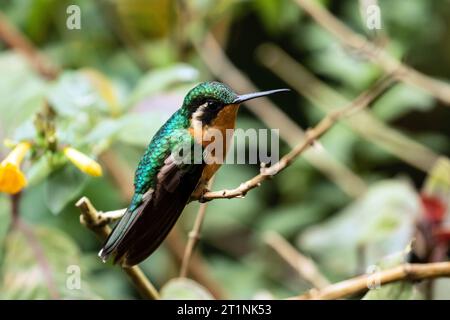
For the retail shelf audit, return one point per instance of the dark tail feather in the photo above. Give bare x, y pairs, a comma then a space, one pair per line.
149, 231
117, 234
140, 232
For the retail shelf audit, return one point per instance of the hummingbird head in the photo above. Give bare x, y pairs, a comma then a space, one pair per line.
207, 99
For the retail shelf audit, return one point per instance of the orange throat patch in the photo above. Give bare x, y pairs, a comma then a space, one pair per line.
225, 120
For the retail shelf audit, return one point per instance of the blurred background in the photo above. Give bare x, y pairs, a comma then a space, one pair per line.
374, 194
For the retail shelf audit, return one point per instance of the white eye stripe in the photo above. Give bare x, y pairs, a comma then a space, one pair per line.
197, 116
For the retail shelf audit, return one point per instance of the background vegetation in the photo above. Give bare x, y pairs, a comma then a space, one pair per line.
374, 188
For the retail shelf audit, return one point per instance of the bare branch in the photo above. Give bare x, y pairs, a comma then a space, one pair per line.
194, 235
327, 99
404, 272
311, 136
305, 267
374, 53
219, 64
93, 220
17, 41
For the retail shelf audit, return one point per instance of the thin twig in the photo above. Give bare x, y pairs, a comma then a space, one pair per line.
16, 40
311, 136
218, 63
39, 254
327, 99
404, 272
374, 53
198, 267
194, 235
34, 244
91, 219
305, 266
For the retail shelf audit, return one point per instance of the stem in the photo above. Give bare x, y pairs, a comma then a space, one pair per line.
34, 244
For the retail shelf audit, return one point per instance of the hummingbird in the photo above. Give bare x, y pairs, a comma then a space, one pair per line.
164, 185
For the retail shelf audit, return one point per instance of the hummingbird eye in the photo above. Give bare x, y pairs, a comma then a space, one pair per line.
214, 105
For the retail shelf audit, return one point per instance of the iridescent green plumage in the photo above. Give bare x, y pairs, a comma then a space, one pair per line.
171, 135
174, 132
157, 151
162, 184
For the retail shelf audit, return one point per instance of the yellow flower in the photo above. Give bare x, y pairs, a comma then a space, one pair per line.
83, 162
12, 179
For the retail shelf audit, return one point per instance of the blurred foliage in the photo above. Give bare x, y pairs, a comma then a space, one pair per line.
127, 70
182, 288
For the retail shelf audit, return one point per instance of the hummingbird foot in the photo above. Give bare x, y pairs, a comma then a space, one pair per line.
200, 198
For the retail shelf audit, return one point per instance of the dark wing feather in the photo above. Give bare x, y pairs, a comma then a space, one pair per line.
150, 223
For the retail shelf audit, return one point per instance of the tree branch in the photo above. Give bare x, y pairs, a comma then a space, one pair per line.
194, 235
220, 66
17, 41
311, 136
374, 53
95, 221
404, 272
304, 266
327, 99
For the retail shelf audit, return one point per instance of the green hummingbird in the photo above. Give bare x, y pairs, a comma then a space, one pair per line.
163, 185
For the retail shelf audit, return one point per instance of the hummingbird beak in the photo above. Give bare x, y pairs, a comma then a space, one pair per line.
249, 96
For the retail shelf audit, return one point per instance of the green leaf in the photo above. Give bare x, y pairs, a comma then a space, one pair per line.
63, 186
106, 129
42, 263
39, 170
334, 60
161, 79
400, 100
21, 92
379, 223
288, 220
277, 15
74, 92
137, 129
394, 291
401, 290
5, 220
184, 289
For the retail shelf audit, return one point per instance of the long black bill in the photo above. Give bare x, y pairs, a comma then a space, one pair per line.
249, 96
